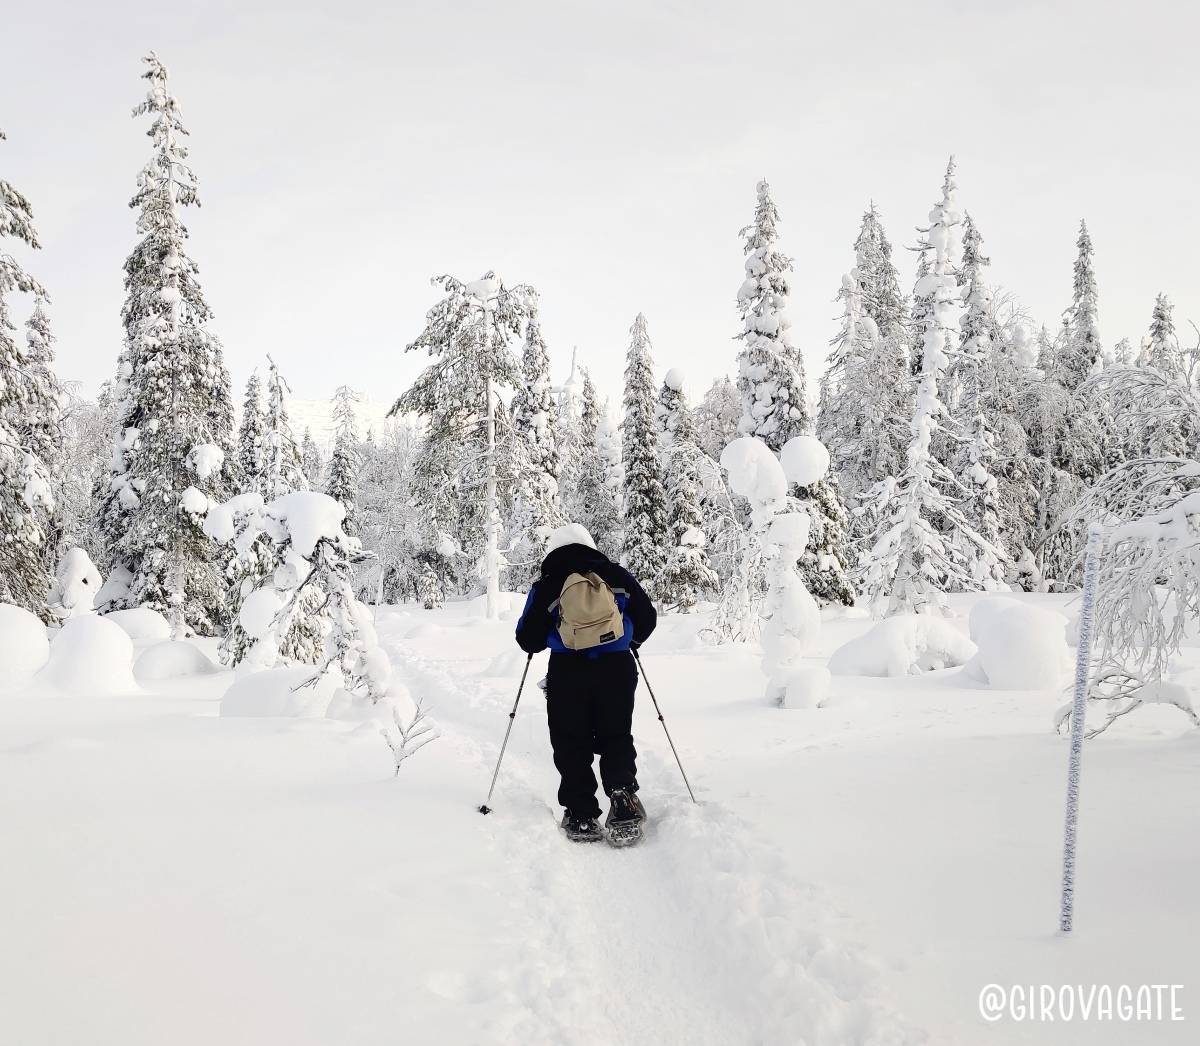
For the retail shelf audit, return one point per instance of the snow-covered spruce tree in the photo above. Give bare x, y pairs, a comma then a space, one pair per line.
589, 413
80, 480
770, 369
1079, 355
717, 417
866, 395
42, 393
825, 566
25, 489
313, 461
39, 426
568, 434
687, 574
467, 469
281, 453
912, 563
342, 482
536, 511
251, 468
922, 310
259, 563
602, 487
974, 459
1161, 349
647, 543
390, 524
172, 390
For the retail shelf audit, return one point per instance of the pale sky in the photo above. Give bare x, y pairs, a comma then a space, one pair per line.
605, 153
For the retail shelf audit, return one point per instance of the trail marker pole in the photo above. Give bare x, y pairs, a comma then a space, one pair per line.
1083, 667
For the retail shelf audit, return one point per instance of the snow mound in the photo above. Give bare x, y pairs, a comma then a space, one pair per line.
141, 624
277, 692
908, 644
76, 584
1021, 647
170, 660
983, 612
805, 686
505, 601
754, 472
92, 656
675, 378
509, 663
425, 630
24, 646
804, 459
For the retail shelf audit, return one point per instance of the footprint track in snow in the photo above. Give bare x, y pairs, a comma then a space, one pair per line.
698, 935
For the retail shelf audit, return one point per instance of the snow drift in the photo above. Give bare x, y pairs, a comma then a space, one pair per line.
141, 624
91, 656
908, 644
1021, 647
170, 660
24, 646
278, 692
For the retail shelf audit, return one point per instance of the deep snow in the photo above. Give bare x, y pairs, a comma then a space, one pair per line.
857, 872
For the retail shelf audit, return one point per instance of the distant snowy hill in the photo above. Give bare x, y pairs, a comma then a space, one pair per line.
317, 417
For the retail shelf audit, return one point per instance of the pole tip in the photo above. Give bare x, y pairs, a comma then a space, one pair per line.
485, 809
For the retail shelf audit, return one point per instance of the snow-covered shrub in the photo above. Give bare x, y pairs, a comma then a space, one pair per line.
905, 645
792, 617
756, 475
76, 583
768, 596
313, 584
1021, 647
91, 657
1148, 594
24, 646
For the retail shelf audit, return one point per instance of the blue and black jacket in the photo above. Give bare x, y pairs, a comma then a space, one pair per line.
538, 627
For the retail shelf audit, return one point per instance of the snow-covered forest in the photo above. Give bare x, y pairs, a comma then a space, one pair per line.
900, 532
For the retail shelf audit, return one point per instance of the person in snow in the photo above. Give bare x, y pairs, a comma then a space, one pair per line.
591, 679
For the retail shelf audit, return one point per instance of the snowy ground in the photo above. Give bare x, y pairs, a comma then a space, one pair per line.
855, 873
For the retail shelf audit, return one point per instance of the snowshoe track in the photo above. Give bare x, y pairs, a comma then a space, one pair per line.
697, 935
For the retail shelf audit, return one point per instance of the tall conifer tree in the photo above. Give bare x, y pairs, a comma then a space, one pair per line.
770, 369
174, 415
25, 490
646, 539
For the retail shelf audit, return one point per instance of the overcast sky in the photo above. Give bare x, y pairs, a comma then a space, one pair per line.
606, 153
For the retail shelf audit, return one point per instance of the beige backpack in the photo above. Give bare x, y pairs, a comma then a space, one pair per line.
588, 615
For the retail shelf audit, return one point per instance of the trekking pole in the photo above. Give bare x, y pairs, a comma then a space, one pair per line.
512, 718
638, 659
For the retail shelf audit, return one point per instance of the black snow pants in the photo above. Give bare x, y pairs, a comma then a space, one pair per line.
589, 706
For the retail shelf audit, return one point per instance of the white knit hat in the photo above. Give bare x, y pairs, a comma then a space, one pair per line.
571, 534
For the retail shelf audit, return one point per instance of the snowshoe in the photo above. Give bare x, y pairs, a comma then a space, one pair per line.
580, 829
623, 826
